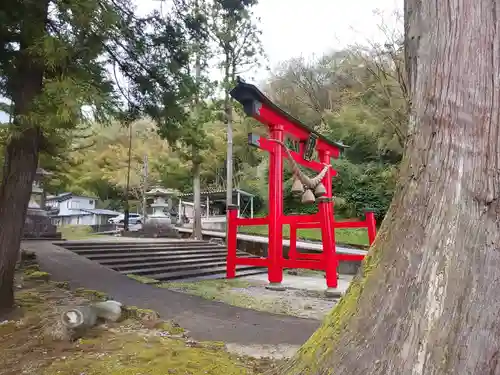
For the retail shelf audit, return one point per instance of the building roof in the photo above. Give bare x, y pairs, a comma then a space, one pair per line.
87, 212
216, 192
250, 96
99, 211
65, 196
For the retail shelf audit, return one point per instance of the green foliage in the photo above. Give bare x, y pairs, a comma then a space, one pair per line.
352, 95
55, 62
358, 97
363, 187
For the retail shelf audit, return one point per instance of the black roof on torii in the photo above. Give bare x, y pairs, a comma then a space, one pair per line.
247, 94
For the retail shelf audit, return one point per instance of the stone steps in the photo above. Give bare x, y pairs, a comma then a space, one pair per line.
158, 258
104, 245
217, 272
128, 255
150, 250
164, 261
151, 265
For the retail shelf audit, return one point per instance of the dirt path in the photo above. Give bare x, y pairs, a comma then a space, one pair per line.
205, 320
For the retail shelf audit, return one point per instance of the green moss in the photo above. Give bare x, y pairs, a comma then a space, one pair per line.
327, 337
31, 268
29, 300
223, 291
89, 341
170, 327
132, 355
37, 275
61, 284
143, 279
133, 312
93, 295
7, 328
207, 285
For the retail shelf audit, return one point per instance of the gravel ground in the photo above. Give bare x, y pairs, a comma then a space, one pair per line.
302, 303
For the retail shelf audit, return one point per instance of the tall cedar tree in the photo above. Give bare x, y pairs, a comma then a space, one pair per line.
54, 61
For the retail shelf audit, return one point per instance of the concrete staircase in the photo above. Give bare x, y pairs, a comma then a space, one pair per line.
165, 261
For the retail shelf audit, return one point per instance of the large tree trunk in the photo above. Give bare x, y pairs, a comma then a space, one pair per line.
428, 298
21, 155
19, 171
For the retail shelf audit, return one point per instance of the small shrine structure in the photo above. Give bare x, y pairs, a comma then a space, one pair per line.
312, 151
213, 206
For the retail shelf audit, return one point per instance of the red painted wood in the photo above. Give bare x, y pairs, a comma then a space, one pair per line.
280, 127
275, 233
327, 229
292, 251
231, 240
371, 224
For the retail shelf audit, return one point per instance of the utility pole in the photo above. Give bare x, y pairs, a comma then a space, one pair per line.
197, 230
127, 187
144, 187
228, 110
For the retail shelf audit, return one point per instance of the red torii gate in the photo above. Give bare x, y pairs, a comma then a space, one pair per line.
281, 124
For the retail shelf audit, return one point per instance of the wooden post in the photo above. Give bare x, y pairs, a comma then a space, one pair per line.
179, 215
275, 229
251, 207
371, 225
238, 201
292, 251
208, 207
327, 226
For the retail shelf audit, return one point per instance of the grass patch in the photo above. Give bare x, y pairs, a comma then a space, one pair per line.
223, 291
357, 236
38, 275
140, 344
91, 295
143, 279
76, 232
128, 354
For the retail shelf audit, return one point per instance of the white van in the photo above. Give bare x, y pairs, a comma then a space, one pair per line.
132, 219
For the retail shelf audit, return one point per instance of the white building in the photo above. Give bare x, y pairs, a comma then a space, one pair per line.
214, 207
71, 209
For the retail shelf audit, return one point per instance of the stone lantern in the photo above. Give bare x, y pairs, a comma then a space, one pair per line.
160, 203
35, 208
37, 223
158, 223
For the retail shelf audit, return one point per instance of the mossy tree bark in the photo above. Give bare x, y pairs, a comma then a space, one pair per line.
428, 300
21, 156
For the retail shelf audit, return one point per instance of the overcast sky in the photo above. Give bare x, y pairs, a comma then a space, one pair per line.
310, 28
